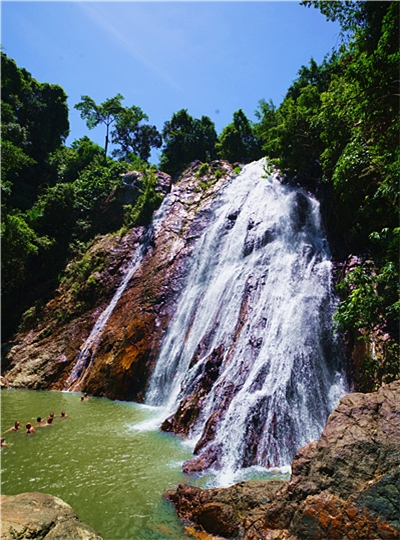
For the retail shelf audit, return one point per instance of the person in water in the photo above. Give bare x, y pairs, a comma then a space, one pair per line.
3, 443
49, 421
39, 422
15, 427
65, 415
29, 428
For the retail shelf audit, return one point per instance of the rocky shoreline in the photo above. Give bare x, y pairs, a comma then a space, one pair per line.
345, 486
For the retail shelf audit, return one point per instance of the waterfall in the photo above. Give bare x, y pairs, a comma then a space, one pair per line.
87, 352
251, 343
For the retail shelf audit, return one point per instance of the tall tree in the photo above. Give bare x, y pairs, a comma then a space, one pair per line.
267, 120
133, 136
185, 140
106, 113
239, 141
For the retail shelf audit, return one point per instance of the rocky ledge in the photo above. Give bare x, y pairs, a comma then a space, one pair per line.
37, 515
345, 486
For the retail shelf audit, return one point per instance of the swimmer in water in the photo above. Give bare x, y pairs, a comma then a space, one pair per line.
49, 421
29, 428
39, 422
3, 443
15, 427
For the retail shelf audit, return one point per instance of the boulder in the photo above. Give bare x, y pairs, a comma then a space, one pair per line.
227, 512
42, 516
346, 484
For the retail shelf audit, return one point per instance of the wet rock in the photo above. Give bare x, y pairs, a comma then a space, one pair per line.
232, 217
256, 238
218, 518
229, 512
208, 458
345, 486
190, 406
300, 211
37, 515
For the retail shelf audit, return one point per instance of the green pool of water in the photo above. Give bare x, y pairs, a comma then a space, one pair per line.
102, 461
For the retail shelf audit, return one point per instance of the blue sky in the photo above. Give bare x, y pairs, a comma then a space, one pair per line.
211, 58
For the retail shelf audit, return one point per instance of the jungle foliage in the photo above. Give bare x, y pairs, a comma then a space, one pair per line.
54, 197
186, 139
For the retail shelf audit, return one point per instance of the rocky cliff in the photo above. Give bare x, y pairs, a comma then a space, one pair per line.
346, 485
42, 356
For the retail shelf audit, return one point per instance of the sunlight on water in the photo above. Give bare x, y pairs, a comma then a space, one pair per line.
112, 474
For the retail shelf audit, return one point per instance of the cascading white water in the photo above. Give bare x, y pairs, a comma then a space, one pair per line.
87, 352
259, 288
88, 349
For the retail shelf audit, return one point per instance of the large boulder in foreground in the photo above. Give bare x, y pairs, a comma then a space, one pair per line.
345, 486
37, 515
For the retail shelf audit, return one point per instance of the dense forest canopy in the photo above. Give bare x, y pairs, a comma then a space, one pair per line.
336, 133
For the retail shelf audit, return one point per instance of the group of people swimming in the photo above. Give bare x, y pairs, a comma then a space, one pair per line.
30, 429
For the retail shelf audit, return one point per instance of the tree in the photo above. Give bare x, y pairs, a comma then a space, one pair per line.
19, 242
34, 124
239, 141
362, 17
267, 120
106, 113
68, 162
185, 140
132, 136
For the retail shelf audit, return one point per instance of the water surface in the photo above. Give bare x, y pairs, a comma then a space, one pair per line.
104, 461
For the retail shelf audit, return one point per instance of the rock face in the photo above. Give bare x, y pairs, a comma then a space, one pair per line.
226, 512
43, 356
37, 515
344, 486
